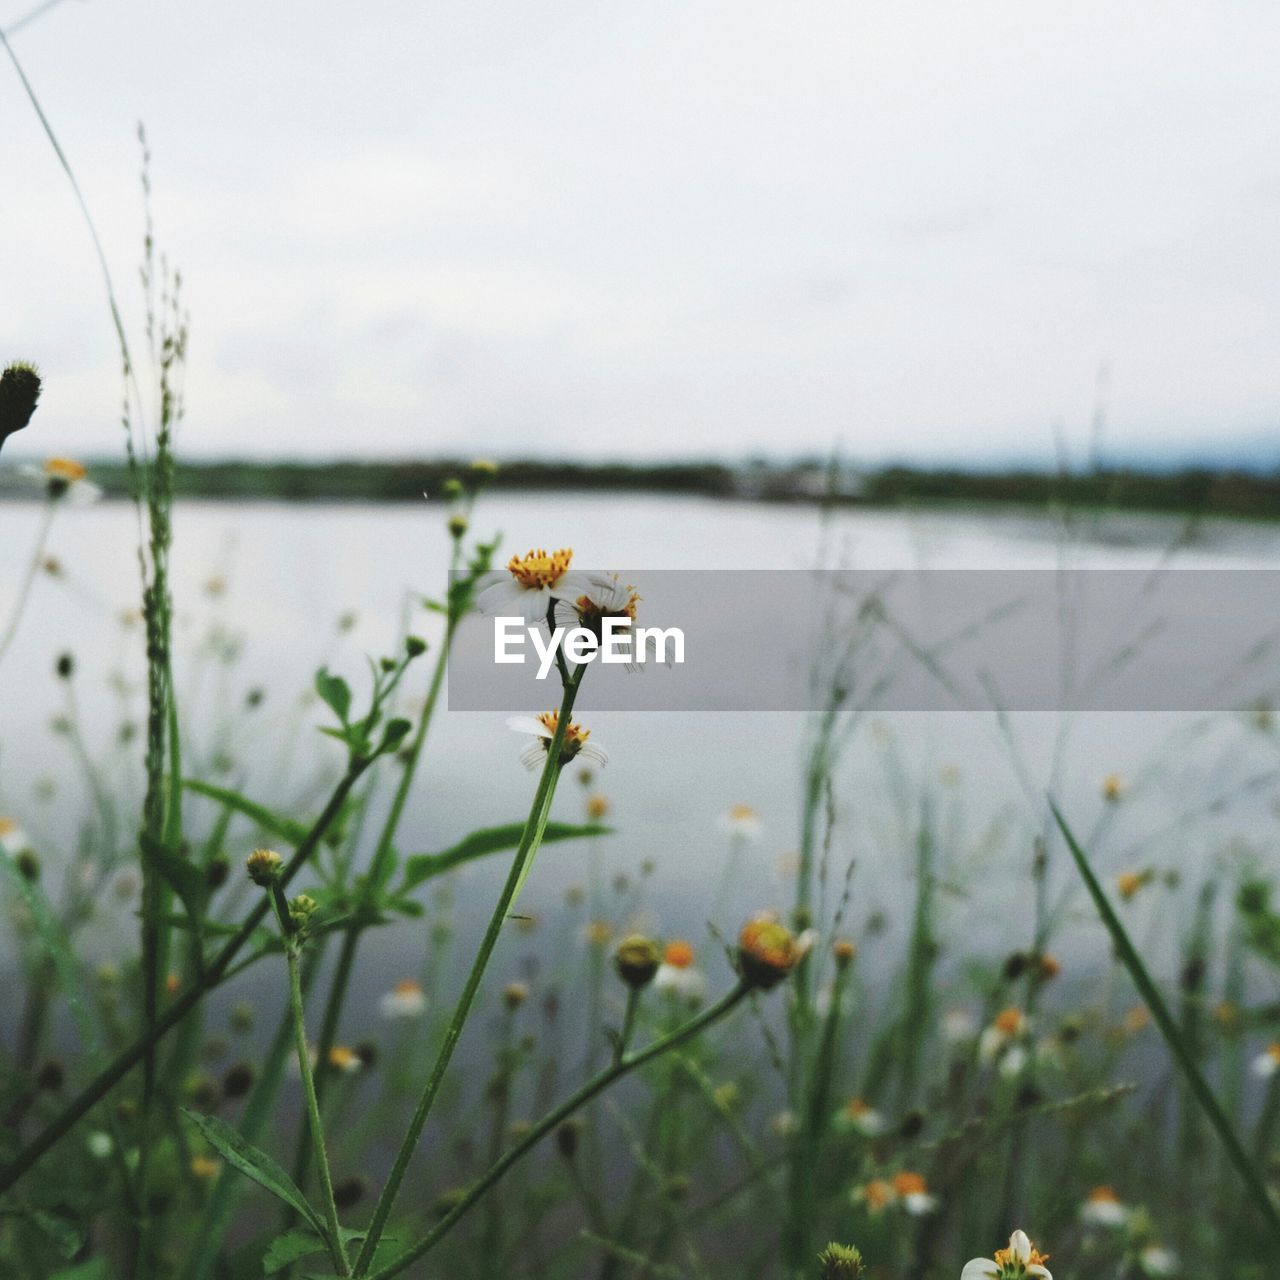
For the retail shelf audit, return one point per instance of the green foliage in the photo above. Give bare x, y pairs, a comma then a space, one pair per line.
254, 1163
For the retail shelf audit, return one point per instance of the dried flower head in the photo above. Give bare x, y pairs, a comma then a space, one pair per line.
637, 959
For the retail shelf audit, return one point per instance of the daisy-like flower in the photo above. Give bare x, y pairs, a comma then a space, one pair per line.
1009, 1027
1155, 1260
1130, 883
861, 1117
875, 1196
1103, 1208
741, 820
405, 1000
603, 595
1020, 1259
1267, 1063
543, 729
958, 1026
530, 584
64, 478
344, 1059
913, 1191
13, 840
677, 975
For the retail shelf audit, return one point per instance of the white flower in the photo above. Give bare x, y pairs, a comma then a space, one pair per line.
1018, 1260
1157, 1261
99, 1144
13, 840
1002, 1040
861, 1117
785, 1123
914, 1192
530, 584
64, 478
543, 729
741, 820
685, 984
1267, 1063
404, 1000
1102, 1208
958, 1026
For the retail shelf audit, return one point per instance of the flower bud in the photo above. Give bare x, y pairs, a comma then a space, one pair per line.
301, 909
514, 994
415, 646
840, 1262
844, 952
19, 392
637, 959
238, 1080
263, 866
457, 526
767, 951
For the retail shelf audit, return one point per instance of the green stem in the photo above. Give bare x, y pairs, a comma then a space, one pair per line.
628, 1024
529, 842
553, 1119
314, 1123
111, 1075
351, 938
1185, 1059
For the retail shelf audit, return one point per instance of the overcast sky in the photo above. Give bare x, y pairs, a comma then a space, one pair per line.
661, 227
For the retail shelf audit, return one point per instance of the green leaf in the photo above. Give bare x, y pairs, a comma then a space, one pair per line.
63, 1230
241, 1154
335, 693
479, 844
287, 1249
274, 823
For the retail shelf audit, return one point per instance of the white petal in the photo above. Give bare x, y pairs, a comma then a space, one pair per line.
1020, 1246
592, 750
503, 596
570, 586
1035, 1269
529, 724
980, 1269
533, 755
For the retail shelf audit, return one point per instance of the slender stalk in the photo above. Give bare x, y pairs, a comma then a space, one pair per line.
553, 1119
1163, 1019
314, 1123
217, 970
628, 1024
529, 842
351, 937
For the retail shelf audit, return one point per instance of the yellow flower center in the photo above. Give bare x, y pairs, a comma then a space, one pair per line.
1103, 1195
1013, 1265
64, 469
909, 1184
1273, 1052
539, 569
877, 1194
1009, 1021
679, 955
574, 734
741, 813
7, 826
408, 987
342, 1058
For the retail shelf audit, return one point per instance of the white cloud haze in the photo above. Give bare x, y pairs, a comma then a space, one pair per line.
910, 229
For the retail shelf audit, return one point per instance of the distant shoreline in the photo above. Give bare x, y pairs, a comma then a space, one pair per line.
1188, 492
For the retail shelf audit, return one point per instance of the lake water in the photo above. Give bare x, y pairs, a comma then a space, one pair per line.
284, 576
